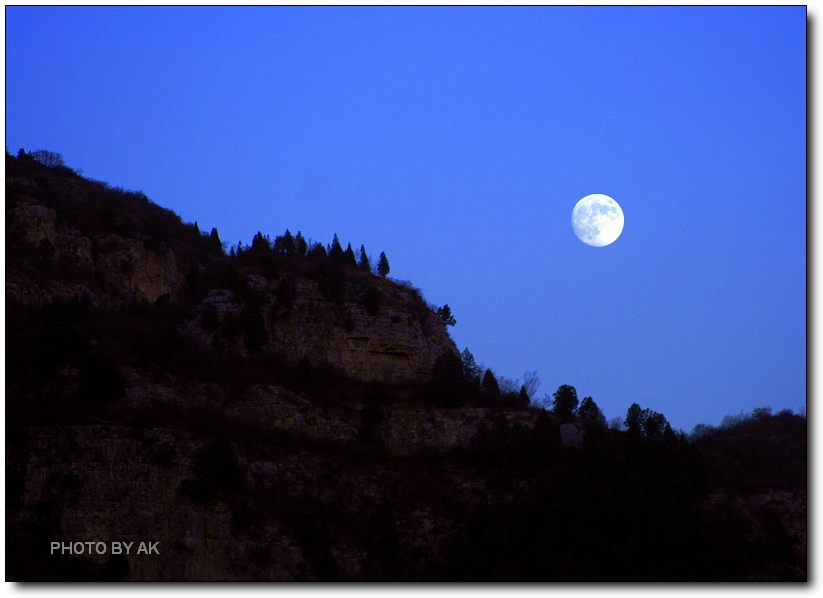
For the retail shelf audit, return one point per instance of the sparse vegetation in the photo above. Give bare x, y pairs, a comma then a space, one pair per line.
445, 314
383, 266
48, 158
565, 402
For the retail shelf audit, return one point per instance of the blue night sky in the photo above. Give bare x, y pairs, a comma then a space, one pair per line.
458, 140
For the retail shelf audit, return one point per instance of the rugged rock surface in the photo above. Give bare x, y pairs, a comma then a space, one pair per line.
126, 255
399, 344
403, 429
409, 430
124, 268
229, 479
117, 484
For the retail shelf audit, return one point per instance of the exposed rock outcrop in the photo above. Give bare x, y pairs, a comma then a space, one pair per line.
403, 429
115, 486
69, 242
122, 270
108, 484
137, 271
398, 344
408, 430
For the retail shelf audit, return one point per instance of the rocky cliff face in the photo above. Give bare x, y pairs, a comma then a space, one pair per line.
403, 429
398, 344
113, 485
228, 480
106, 484
239, 509
118, 255
111, 270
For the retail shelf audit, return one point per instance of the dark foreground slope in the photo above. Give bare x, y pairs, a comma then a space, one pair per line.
281, 414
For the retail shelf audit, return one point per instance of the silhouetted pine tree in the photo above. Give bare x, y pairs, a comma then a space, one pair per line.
490, 385
300, 244
590, 413
448, 385
214, 245
654, 424
286, 244
565, 401
336, 253
634, 421
364, 263
383, 265
447, 367
445, 314
260, 244
349, 260
471, 371
318, 252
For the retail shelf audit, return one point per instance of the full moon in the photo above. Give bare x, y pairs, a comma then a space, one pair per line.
597, 220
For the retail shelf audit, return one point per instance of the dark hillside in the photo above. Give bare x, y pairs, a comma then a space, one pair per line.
757, 479
286, 411
758, 455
